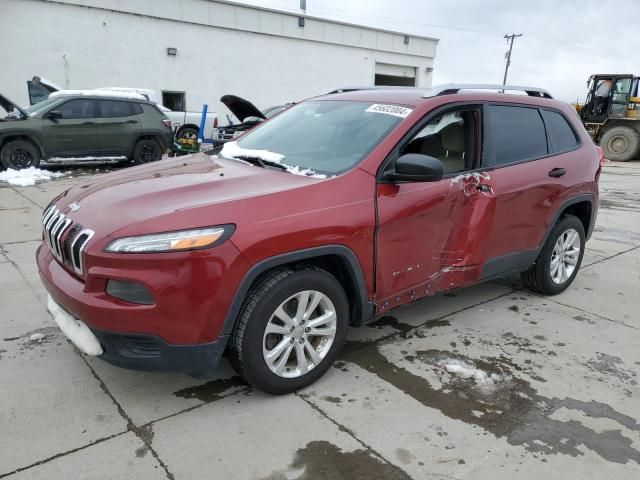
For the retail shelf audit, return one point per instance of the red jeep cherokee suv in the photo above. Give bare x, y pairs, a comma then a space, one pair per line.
328, 215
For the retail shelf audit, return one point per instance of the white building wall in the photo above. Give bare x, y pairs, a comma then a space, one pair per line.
223, 48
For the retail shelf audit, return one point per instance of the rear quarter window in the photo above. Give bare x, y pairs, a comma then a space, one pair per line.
115, 108
562, 137
516, 134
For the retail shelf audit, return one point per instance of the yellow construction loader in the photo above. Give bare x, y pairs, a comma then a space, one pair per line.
611, 115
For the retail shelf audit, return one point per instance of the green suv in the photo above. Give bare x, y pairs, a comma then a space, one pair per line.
80, 126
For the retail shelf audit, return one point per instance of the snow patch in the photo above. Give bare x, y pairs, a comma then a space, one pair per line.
27, 177
98, 93
486, 383
74, 329
235, 151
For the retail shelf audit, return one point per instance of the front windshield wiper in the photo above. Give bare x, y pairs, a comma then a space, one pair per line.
261, 162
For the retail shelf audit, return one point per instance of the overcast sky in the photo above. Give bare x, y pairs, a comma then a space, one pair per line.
564, 40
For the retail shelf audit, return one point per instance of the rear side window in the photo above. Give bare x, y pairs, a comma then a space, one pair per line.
115, 108
80, 108
561, 135
516, 133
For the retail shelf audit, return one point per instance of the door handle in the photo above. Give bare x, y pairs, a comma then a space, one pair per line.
557, 172
89, 123
132, 121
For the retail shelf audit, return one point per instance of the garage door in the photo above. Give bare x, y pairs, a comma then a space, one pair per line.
395, 75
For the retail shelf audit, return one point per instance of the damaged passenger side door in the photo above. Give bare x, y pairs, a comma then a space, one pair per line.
431, 236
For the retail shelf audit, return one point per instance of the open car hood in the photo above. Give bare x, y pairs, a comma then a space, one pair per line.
241, 108
9, 106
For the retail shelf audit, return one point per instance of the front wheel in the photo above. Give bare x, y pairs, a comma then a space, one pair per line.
291, 327
146, 150
19, 154
560, 258
620, 144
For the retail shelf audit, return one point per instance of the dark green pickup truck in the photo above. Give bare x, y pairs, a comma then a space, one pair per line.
82, 125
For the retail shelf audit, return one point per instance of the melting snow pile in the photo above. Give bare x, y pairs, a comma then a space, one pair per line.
485, 382
27, 176
235, 151
76, 331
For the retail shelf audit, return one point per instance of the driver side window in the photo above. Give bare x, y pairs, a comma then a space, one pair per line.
451, 138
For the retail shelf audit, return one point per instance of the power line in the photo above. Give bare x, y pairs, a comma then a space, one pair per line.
510, 39
488, 32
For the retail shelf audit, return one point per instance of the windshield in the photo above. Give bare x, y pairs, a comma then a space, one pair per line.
38, 107
327, 137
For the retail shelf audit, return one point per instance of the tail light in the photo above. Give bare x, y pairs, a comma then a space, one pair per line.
215, 122
601, 160
601, 155
166, 122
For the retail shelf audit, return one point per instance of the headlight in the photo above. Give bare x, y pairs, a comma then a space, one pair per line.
172, 241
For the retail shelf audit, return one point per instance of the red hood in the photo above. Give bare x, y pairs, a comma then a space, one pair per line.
187, 192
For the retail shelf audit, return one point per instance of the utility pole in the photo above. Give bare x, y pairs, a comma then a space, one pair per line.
510, 39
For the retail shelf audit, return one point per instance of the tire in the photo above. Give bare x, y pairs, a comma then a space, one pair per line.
620, 144
187, 132
544, 279
146, 150
251, 345
19, 154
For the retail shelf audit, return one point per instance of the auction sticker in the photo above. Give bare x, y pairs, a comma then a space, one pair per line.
395, 110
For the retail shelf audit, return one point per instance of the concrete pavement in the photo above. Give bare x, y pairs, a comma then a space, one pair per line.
563, 402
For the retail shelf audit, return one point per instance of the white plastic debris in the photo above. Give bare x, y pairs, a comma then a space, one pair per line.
27, 177
485, 382
75, 330
37, 337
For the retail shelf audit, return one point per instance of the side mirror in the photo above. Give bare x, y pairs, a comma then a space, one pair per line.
415, 167
54, 115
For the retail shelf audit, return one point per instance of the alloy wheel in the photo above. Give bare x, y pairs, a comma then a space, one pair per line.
299, 334
565, 255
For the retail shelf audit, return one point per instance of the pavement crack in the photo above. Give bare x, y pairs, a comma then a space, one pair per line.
62, 454
144, 433
352, 434
612, 256
4, 254
585, 311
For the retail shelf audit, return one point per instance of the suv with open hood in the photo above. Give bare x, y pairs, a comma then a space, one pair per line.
248, 114
330, 214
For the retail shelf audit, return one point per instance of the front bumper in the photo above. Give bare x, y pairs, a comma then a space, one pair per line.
151, 353
139, 351
181, 331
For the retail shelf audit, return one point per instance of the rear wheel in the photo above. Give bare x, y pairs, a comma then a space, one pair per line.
560, 258
291, 327
620, 144
19, 154
146, 150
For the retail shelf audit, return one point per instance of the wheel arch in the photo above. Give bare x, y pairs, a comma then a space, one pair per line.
187, 125
21, 136
146, 136
581, 206
338, 260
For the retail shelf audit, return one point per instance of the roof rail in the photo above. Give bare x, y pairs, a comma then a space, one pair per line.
452, 88
370, 87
